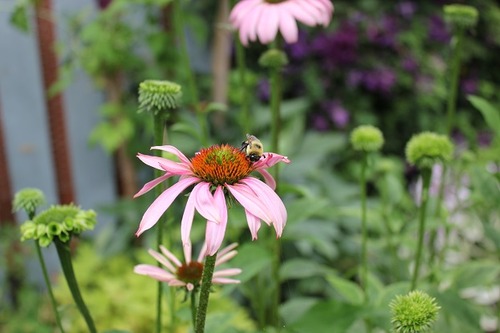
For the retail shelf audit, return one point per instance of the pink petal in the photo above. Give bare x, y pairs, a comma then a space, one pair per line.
270, 159
252, 21
225, 257
249, 200
224, 251
187, 252
205, 203
253, 224
162, 260
176, 152
175, 168
170, 256
161, 204
288, 27
242, 9
301, 13
268, 24
203, 252
154, 272
227, 272
214, 232
268, 178
188, 215
152, 161
150, 185
273, 202
324, 8
177, 283
225, 281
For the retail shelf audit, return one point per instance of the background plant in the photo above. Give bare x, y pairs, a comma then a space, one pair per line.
379, 63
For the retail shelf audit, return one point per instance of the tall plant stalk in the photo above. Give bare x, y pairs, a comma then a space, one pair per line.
364, 233
63, 251
426, 180
206, 284
246, 120
186, 65
49, 287
159, 127
275, 244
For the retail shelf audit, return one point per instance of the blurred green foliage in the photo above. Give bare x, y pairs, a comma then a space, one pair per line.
379, 63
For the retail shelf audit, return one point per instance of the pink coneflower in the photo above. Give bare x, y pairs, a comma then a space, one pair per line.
188, 274
263, 18
217, 171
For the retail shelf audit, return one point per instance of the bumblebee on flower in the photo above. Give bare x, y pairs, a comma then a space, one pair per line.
216, 172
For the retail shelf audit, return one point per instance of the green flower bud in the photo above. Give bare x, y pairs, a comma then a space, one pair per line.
414, 312
159, 96
28, 230
273, 58
68, 224
28, 199
427, 148
45, 240
54, 229
59, 221
367, 138
64, 236
41, 230
461, 16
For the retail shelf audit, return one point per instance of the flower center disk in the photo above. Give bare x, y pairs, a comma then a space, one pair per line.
221, 164
190, 273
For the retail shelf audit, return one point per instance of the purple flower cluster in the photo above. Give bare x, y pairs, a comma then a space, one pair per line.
339, 48
333, 112
380, 80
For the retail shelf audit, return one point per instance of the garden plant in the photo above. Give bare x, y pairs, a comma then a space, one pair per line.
336, 170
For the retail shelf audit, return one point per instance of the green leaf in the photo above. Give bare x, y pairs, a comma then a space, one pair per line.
19, 17
253, 258
349, 290
328, 316
301, 268
477, 273
463, 311
186, 129
296, 307
490, 113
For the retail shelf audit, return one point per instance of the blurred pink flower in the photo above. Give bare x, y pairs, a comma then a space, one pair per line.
263, 18
217, 171
188, 274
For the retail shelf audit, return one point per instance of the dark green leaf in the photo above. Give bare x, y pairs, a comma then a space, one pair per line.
301, 268
349, 290
328, 316
490, 113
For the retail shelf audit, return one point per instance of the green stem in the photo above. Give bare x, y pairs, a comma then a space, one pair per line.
426, 180
49, 287
206, 283
390, 244
192, 296
437, 213
245, 105
186, 64
64, 254
454, 80
159, 126
275, 108
364, 233
276, 92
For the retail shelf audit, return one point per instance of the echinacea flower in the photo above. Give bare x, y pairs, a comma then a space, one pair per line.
218, 172
263, 18
188, 274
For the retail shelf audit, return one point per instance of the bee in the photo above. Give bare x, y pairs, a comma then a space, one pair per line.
253, 148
